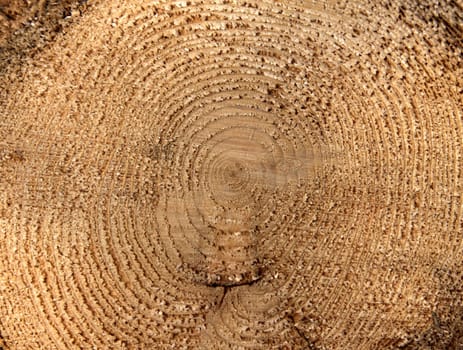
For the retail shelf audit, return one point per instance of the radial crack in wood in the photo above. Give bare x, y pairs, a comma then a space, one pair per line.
218, 174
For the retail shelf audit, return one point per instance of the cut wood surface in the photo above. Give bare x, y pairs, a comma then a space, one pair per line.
228, 174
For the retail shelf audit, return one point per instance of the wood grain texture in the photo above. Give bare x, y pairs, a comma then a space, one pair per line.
235, 174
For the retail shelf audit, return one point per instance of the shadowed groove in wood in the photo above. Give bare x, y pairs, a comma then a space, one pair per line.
216, 174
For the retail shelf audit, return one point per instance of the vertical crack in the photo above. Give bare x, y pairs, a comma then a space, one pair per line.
300, 333
225, 291
2, 342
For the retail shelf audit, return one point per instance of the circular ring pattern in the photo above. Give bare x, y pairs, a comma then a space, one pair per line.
233, 174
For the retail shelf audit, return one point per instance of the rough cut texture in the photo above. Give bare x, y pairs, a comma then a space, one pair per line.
227, 174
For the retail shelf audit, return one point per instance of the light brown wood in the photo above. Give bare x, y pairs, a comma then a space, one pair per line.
217, 174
